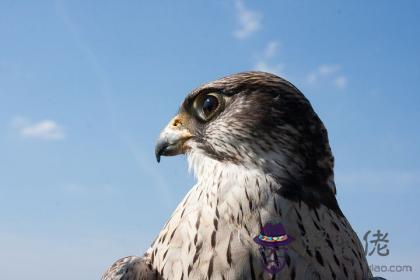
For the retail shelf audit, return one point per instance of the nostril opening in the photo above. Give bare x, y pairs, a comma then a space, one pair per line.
177, 122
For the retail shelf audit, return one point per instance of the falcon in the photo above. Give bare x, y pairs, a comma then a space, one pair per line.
263, 164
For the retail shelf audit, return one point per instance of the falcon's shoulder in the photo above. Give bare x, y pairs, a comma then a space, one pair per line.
131, 268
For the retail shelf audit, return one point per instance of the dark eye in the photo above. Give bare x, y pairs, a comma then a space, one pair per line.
210, 105
207, 105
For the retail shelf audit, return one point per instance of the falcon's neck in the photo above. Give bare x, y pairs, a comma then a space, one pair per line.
236, 190
241, 191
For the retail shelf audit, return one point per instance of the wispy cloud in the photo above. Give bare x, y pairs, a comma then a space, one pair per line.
44, 129
328, 74
265, 63
340, 82
249, 21
327, 70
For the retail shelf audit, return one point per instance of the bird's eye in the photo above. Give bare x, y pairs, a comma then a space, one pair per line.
207, 105
210, 104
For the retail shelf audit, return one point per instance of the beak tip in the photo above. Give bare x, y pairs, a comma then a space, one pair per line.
158, 153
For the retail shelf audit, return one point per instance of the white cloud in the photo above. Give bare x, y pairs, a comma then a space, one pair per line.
265, 63
45, 129
265, 67
327, 70
271, 49
340, 82
249, 21
327, 74
312, 78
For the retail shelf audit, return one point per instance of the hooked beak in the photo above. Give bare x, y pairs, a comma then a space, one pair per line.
172, 139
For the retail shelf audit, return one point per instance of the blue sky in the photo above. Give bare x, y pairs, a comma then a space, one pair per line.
86, 86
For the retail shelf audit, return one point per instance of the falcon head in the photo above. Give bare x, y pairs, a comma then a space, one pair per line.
259, 121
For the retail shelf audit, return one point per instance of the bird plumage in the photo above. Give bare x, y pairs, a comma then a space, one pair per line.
260, 155
131, 268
